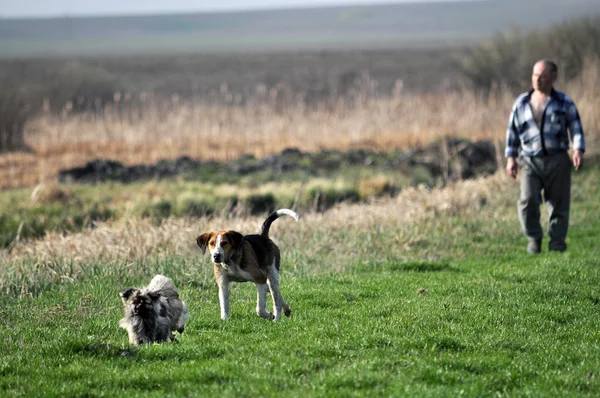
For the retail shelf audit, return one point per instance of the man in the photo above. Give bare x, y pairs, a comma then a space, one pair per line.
537, 128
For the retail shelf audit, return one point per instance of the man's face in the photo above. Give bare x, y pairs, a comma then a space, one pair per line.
542, 77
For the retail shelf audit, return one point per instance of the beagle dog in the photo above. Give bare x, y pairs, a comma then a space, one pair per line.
247, 258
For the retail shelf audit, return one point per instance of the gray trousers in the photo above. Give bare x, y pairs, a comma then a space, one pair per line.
552, 175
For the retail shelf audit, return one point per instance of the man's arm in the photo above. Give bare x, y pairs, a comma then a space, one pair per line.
577, 138
577, 159
511, 167
512, 144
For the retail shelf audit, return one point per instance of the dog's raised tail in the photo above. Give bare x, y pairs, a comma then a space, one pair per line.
160, 282
274, 216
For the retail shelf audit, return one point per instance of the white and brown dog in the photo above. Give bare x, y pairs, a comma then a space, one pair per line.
249, 258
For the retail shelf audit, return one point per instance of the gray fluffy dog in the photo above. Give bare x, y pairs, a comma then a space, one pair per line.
154, 312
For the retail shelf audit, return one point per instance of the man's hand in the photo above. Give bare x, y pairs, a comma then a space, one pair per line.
511, 167
577, 159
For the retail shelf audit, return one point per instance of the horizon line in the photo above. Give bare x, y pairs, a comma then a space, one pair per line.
350, 4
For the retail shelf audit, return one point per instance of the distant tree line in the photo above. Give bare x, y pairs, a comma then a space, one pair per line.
507, 59
77, 85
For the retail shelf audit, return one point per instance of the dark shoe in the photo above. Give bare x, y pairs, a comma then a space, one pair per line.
534, 246
557, 247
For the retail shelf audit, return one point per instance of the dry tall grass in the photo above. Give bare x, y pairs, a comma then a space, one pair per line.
208, 132
203, 131
402, 227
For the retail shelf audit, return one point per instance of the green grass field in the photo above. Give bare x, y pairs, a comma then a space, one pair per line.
491, 320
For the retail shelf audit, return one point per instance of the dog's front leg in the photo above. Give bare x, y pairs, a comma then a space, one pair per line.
224, 297
261, 301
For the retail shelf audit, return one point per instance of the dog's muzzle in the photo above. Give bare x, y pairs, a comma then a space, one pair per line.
217, 257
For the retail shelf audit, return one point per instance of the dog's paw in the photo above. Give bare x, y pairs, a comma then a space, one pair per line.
265, 314
287, 312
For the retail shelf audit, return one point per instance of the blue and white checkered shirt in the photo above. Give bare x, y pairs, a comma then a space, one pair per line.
560, 115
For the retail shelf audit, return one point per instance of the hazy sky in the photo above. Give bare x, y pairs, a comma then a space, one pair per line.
47, 8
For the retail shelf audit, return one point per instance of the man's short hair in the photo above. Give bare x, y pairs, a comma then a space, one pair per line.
550, 64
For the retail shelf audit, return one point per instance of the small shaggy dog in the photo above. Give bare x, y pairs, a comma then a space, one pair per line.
154, 312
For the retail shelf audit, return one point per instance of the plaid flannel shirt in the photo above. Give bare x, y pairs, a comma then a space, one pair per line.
560, 115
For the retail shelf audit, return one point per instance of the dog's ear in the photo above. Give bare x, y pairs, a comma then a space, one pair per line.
236, 239
125, 294
202, 241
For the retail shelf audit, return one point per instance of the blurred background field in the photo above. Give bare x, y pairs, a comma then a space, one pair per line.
234, 88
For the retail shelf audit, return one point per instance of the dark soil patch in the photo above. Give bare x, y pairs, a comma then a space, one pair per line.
450, 159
